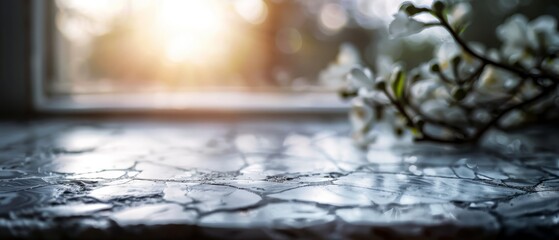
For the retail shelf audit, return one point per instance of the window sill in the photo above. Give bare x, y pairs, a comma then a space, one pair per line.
218, 102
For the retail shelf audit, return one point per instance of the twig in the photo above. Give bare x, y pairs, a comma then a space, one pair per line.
496, 119
465, 47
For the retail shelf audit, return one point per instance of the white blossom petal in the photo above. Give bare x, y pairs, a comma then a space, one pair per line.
482, 115
360, 116
496, 80
361, 78
529, 90
547, 26
434, 108
455, 114
437, 131
384, 65
334, 75
424, 90
517, 32
403, 25
512, 118
460, 13
446, 52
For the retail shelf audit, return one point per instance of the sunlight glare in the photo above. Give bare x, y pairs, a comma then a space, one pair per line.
191, 30
252, 11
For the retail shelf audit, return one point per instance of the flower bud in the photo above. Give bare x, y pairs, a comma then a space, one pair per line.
438, 6
396, 74
456, 60
458, 93
410, 9
418, 122
415, 77
380, 84
435, 67
347, 93
399, 131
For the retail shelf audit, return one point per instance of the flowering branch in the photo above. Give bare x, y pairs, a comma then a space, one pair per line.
467, 49
461, 94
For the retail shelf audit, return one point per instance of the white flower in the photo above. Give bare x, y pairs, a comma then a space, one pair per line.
384, 66
361, 117
516, 32
334, 74
517, 37
546, 27
437, 131
460, 14
495, 80
362, 114
512, 118
529, 90
494, 84
481, 115
362, 80
428, 89
440, 109
434, 108
446, 52
449, 50
523, 39
404, 25
455, 114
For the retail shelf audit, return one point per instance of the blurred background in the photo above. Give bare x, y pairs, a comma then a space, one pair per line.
165, 47
193, 45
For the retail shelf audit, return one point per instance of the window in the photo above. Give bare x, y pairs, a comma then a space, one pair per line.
261, 55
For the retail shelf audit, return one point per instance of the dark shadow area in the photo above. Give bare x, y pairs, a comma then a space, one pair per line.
15, 71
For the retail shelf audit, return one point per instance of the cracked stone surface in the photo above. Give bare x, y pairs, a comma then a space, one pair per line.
281, 179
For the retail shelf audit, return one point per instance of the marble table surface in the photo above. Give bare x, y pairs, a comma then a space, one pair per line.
275, 179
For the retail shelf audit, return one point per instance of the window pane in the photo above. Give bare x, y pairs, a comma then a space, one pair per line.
193, 45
